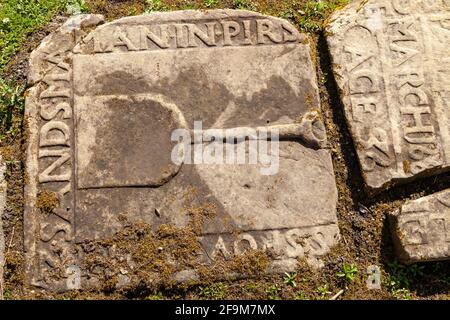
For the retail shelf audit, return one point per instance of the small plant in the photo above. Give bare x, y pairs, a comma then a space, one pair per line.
323, 291
216, 291
244, 4
315, 12
154, 5
401, 276
251, 287
272, 292
348, 272
402, 294
12, 104
155, 296
300, 295
289, 279
76, 7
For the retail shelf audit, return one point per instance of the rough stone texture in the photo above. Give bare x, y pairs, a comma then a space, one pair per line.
421, 228
101, 112
2, 208
391, 61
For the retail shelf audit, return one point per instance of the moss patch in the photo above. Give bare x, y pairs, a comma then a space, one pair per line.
47, 201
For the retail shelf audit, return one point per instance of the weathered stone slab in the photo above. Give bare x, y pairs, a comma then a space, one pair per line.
2, 208
391, 61
421, 228
103, 112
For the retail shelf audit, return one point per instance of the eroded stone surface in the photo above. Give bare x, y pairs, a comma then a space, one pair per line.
101, 114
421, 228
2, 208
391, 61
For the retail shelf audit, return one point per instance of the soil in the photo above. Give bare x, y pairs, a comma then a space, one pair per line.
362, 219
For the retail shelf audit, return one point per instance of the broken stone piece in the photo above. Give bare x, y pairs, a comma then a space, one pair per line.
421, 228
391, 61
107, 112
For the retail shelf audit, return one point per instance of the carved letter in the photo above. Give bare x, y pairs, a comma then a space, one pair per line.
265, 29
45, 140
207, 37
63, 157
161, 41
220, 247
121, 39
244, 238
227, 33
52, 91
50, 111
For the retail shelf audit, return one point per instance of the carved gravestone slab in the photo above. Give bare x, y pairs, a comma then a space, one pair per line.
421, 228
102, 112
391, 61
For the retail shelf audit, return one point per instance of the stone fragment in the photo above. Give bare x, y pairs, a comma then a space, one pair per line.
421, 228
391, 61
110, 112
2, 236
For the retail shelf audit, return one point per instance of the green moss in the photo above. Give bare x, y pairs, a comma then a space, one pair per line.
216, 291
47, 201
12, 104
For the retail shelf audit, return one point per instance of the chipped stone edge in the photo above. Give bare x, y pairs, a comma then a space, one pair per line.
71, 25
335, 26
397, 234
35, 76
3, 187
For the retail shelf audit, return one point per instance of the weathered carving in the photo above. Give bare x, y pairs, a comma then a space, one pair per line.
421, 228
394, 103
49, 109
283, 245
174, 35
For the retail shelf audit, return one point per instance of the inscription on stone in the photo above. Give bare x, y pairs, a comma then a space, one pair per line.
104, 108
421, 228
391, 61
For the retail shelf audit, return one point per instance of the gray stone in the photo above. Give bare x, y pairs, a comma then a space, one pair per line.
103, 108
2, 208
421, 228
391, 61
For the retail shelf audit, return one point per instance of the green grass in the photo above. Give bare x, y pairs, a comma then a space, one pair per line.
311, 18
289, 279
154, 5
401, 277
211, 3
12, 103
21, 17
273, 291
323, 291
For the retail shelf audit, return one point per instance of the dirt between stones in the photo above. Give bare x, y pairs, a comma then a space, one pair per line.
365, 237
